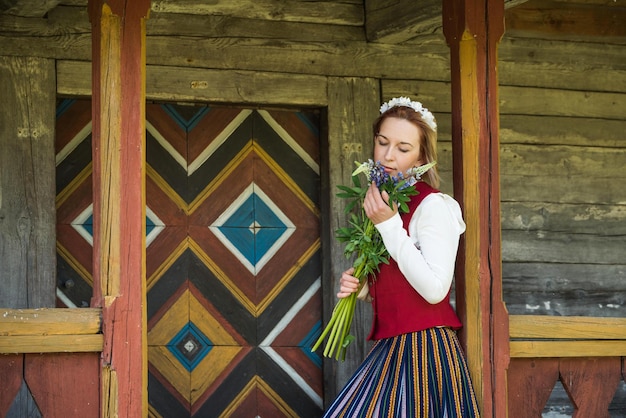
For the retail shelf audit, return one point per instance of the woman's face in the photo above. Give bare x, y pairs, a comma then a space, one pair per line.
397, 145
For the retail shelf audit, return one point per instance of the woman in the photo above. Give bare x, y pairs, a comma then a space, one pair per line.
416, 367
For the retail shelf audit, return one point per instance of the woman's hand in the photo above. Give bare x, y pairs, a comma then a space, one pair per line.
376, 205
348, 284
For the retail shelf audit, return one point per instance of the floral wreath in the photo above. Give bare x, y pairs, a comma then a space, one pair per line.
417, 106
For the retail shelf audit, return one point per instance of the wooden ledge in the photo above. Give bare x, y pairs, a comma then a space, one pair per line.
50, 330
566, 336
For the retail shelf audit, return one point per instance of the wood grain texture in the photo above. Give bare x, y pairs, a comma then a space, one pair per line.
556, 327
63, 343
79, 397
352, 107
118, 136
27, 182
49, 321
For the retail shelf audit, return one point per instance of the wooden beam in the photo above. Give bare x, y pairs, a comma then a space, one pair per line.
394, 21
571, 20
118, 119
53, 321
27, 188
572, 348
28, 8
566, 327
344, 12
66, 343
473, 29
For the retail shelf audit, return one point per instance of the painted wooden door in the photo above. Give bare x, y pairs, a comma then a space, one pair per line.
233, 260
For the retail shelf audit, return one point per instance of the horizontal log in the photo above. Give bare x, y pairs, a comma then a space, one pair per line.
562, 130
586, 348
393, 21
555, 102
583, 218
344, 12
541, 18
561, 247
222, 26
216, 86
50, 321
561, 75
557, 54
51, 344
566, 327
557, 289
591, 191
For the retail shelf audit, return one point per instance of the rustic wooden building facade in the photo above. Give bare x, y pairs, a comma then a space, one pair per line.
141, 141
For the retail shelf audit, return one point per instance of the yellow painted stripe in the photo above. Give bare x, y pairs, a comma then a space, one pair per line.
222, 277
286, 179
223, 175
287, 277
71, 260
74, 184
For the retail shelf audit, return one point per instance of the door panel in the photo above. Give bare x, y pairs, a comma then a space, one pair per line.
233, 259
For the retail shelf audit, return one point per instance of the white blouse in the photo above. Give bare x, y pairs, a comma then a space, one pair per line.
427, 253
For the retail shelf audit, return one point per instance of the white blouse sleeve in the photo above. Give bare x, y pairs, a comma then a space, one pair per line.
427, 253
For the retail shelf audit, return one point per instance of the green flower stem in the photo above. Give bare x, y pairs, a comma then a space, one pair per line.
341, 319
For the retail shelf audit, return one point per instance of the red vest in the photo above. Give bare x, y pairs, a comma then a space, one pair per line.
398, 308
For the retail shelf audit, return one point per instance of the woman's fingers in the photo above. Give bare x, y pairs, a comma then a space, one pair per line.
376, 205
348, 284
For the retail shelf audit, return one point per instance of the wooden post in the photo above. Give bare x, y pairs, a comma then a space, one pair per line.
118, 85
473, 29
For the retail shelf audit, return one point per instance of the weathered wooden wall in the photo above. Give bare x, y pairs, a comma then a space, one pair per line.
563, 123
27, 215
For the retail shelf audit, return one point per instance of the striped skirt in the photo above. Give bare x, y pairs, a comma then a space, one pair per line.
420, 375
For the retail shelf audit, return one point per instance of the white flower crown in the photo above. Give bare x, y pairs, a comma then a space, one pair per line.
417, 106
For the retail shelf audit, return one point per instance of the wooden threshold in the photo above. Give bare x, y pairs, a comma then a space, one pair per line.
50, 330
566, 336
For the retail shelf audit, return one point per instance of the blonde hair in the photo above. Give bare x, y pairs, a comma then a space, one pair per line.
428, 138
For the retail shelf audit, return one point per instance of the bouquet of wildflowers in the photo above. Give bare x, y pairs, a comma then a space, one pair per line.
364, 241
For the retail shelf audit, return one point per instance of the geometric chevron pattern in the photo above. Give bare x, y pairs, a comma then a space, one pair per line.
233, 255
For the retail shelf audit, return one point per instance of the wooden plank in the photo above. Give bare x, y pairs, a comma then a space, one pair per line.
225, 26
593, 219
542, 18
27, 189
49, 321
569, 348
353, 105
558, 289
51, 343
563, 327
562, 247
217, 86
54, 381
557, 55
561, 75
562, 130
394, 21
37, 8
345, 13
540, 101
323, 58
